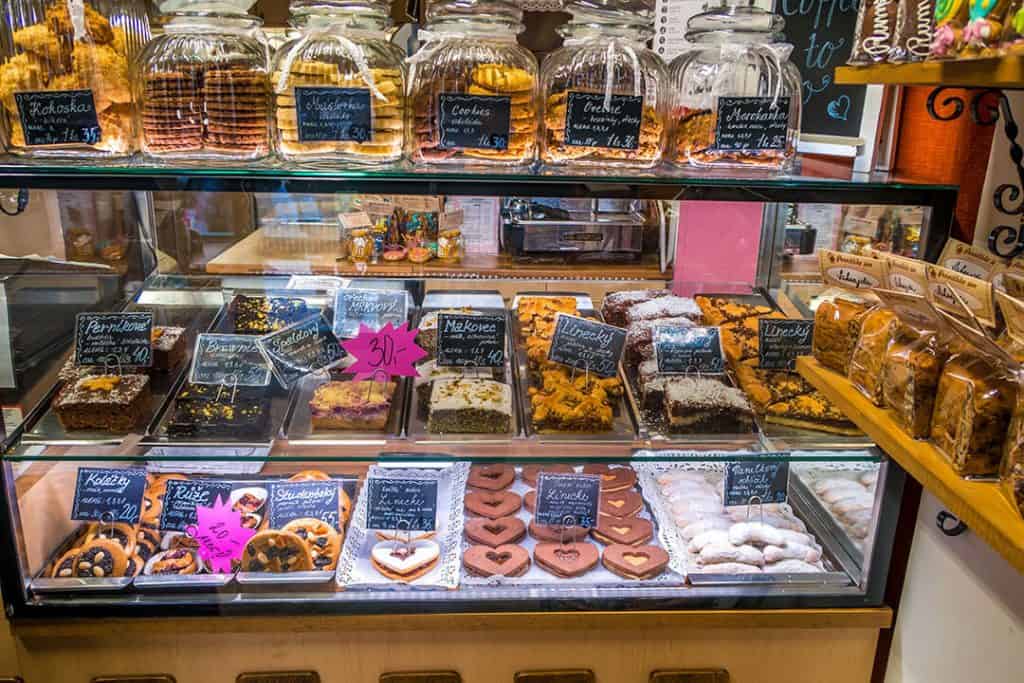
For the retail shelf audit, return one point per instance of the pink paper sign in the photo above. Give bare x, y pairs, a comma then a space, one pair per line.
221, 537
391, 351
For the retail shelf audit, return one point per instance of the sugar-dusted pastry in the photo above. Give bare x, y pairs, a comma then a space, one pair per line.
664, 307
615, 304
405, 561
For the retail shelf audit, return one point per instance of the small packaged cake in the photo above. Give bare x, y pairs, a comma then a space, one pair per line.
836, 330
877, 330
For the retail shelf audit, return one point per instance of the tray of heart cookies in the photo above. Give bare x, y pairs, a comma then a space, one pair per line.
294, 531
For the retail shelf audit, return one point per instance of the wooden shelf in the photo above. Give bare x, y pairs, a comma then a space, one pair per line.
254, 255
1002, 72
981, 506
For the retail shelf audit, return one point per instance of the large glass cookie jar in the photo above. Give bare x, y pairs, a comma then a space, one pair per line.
604, 91
64, 80
339, 85
736, 96
473, 87
203, 91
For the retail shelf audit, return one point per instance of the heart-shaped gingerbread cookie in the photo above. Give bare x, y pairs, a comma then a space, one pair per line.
621, 503
405, 561
566, 559
505, 560
612, 478
635, 562
493, 504
530, 472
556, 533
623, 530
530, 500
494, 532
491, 477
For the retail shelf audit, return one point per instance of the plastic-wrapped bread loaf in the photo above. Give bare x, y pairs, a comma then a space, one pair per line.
876, 333
837, 327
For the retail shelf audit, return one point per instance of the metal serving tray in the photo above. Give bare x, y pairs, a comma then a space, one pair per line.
298, 422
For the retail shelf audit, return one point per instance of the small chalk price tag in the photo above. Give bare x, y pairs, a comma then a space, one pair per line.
470, 340
183, 496
401, 504
373, 308
291, 500
568, 499
781, 341
114, 339
474, 121
334, 114
59, 117
747, 482
587, 345
300, 349
686, 350
108, 495
229, 359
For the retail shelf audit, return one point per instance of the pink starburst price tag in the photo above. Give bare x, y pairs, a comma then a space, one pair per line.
391, 350
221, 537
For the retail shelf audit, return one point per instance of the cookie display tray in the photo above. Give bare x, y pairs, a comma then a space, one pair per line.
355, 569
47, 429
596, 577
291, 579
488, 303
298, 422
42, 584
624, 424
182, 582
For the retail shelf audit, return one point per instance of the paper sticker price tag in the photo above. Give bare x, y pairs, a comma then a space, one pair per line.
59, 117
300, 349
781, 341
291, 500
219, 533
568, 499
587, 345
229, 359
182, 498
401, 504
391, 351
373, 308
747, 482
688, 350
114, 339
108, 495
470, 340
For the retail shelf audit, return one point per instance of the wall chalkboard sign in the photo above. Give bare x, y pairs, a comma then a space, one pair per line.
821, 32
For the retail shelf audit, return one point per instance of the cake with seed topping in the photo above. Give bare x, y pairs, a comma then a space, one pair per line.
470, 406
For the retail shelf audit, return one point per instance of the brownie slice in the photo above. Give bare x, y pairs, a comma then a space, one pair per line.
262, 315
215, 410
168, 347
697, 405
114, 403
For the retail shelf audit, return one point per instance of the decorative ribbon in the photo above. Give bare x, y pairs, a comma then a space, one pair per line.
330, 31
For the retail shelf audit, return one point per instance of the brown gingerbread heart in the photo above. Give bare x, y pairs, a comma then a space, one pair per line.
635, 562
493, 504
505, 560
621, 503
530, 500
530, 472
491, 477
566, 559
612, 478
623, 530
495, 532
556, 533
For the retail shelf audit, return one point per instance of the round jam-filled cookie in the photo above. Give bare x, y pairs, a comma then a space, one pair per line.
252, 520
276, 552
64, 568
323, 541
621, 503
310, 475
505, 560
530, 472
401, 561
491, 477
612, 478
566, 560
554, 533
119, 532
495, 532
635, 562
176, 561
101, 558
493, 504
623, 530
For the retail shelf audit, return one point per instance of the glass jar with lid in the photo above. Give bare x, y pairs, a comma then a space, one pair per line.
473, 87
203, 90
64, 77
604, 101
736, 96
339, 85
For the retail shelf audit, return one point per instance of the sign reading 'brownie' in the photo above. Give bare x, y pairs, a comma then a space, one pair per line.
59, 117
753, 482
401, 504
686, 350
108, 495
300, 349
229, 359
333, 114
474, 121
114, 339
470, 340
568, 499
182, 497
781, 341
587, 345
374, 308
752, 123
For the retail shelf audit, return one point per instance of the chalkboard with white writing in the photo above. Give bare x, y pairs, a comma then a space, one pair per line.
589, 123
781, 341
333, 114
108, 495
750, 482
59, 117
474, 121
401, 504
470, 340
587, 345
114, 340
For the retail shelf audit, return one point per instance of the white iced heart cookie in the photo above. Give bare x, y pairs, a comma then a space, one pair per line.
403, 559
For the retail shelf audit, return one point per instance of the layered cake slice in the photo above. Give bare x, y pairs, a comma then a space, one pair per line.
352, 405
430, 372
113, 403
470, 406
697, 405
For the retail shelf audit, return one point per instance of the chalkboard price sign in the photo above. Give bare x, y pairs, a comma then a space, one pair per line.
114, 339
471, 340
300, 349
686, 350
752, 123
108, 495
59, 117
401, 504
293, 500
568, 499
374, 308
474, 121
182, 497
767, 481
229, 359
587, 345
589, 124
781, 341
333, 114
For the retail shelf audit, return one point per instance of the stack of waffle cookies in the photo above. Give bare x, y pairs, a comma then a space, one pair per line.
172, 112
647, 153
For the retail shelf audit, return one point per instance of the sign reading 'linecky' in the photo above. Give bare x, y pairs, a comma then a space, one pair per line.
587, 345
781, 341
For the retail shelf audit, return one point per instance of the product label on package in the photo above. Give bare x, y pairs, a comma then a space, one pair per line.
114, 339
291, 500
748, 482
568, 499
781, 341
108, 495
969, 260
961, 294
588, 123
374, 308
229, 359
850, 271
401, 504
905, 275
686, 350
301, 349
752, 123
474, 121
470, 340
334, 114
587, 345
184, 495
59, 117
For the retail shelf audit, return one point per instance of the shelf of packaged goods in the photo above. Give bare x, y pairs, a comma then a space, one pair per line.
667, 184
1004, 72
980, 505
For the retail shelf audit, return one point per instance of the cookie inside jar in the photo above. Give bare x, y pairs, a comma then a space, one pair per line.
339, 85
473, 87
603, 90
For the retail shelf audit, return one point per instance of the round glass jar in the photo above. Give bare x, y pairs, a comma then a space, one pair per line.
735, 96
473, 87
339, 85
604, 103
64, 80
203, 91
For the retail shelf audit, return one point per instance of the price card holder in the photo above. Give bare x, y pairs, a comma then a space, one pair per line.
750, 124
229, 359
756, 482
114, 339
568, 499
108, 495
183, 496
587, 345
781, 341
471, 340
688, 350
289, 501
474, 121
334, 114
300, 349
401, 504
373, 308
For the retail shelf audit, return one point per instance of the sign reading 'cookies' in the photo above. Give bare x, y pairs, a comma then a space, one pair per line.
470, 340
747, 482
587, 345
688, 350
300, 349
229, 359
374, 308
401, 504
589, 123
183, 496
304, 500
59, 117
751, 123
114, 339
781, 341
568, 499
333, 114
108, 495
474, 121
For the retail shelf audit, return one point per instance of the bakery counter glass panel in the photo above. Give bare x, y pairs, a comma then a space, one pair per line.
113, 531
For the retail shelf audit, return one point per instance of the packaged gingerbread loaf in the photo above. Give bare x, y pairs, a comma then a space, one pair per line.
837, 322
